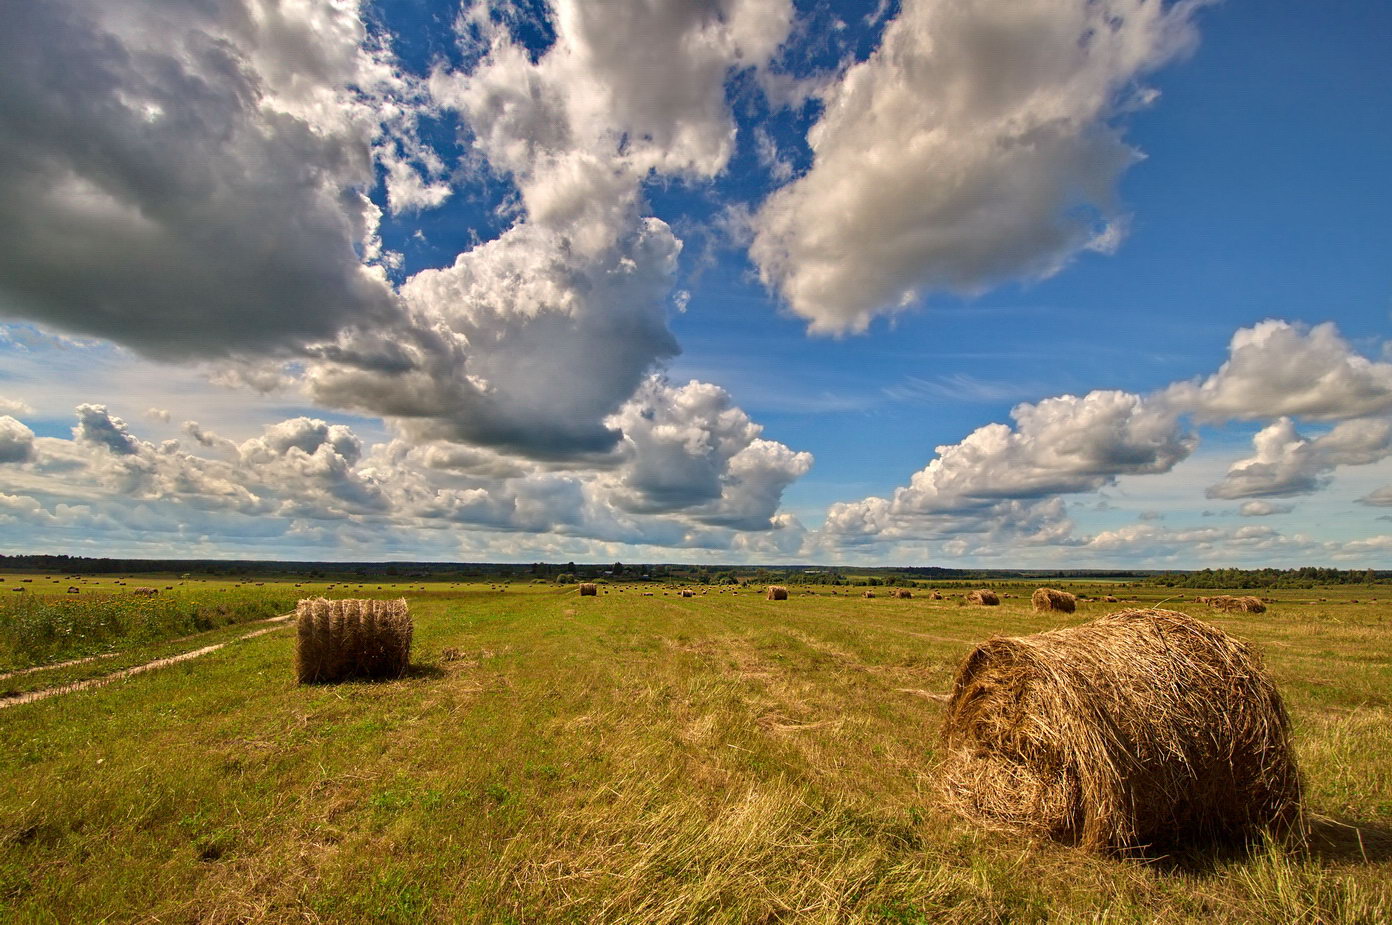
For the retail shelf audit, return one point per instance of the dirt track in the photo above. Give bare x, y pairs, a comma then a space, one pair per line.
47, 692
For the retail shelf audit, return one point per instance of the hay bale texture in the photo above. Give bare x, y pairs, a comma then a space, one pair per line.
1051, 599
1229, 604
1144, 730
343, 639
588, 589
776, 593
901, 593
984, 597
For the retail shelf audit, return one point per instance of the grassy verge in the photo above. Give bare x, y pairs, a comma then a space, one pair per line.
624, 758
38, 628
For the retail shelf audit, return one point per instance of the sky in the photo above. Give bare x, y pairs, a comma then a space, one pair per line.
975, 283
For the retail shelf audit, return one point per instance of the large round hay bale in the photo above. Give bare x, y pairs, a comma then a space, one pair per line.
867, 594
1229, 604
589, 589
776, 593
935, 595
1051, 599
342, 639
1146, 729
901, 593
984, 597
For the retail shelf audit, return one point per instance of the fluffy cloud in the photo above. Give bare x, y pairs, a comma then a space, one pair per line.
304, 473
999, 478
690, 449
1285, 463
975, 145
1000, 474
1279, 368
1152, 542
1382, 497
14, 407
528, 343
189, 179
579, 126
16, 441
521, 344
1264, 508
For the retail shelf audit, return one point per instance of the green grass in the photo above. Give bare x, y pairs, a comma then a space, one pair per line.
637, 759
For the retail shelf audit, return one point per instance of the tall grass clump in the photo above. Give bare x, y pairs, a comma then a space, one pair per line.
1145, 729
344, 639
36, 628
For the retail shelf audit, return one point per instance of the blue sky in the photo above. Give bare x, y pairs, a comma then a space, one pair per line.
1048, 283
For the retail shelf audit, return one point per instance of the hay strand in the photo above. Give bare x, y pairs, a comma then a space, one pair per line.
1145, 729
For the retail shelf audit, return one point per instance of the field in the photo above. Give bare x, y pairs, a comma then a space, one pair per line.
626, 758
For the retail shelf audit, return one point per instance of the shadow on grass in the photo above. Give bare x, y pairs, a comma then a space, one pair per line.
416, 671
1334, 838
1330, 839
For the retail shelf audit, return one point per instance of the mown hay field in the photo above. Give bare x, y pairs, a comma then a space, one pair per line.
622, 758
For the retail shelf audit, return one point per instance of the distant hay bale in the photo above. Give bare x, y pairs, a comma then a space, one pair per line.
345, 639
776, 593
935, 595
901, 593
588, 589
1110, 599
1051, 599
1145, 729
687, 593
868, 594
147, 592
1230, 604
984, 597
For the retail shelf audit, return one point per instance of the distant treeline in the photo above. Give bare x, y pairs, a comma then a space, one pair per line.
1307, 577
566, 572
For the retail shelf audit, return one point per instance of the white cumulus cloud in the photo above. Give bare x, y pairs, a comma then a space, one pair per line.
977, 144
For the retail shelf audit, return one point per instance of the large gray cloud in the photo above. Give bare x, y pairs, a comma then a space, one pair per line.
16, 441
187, 179
976, 144
522, 344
